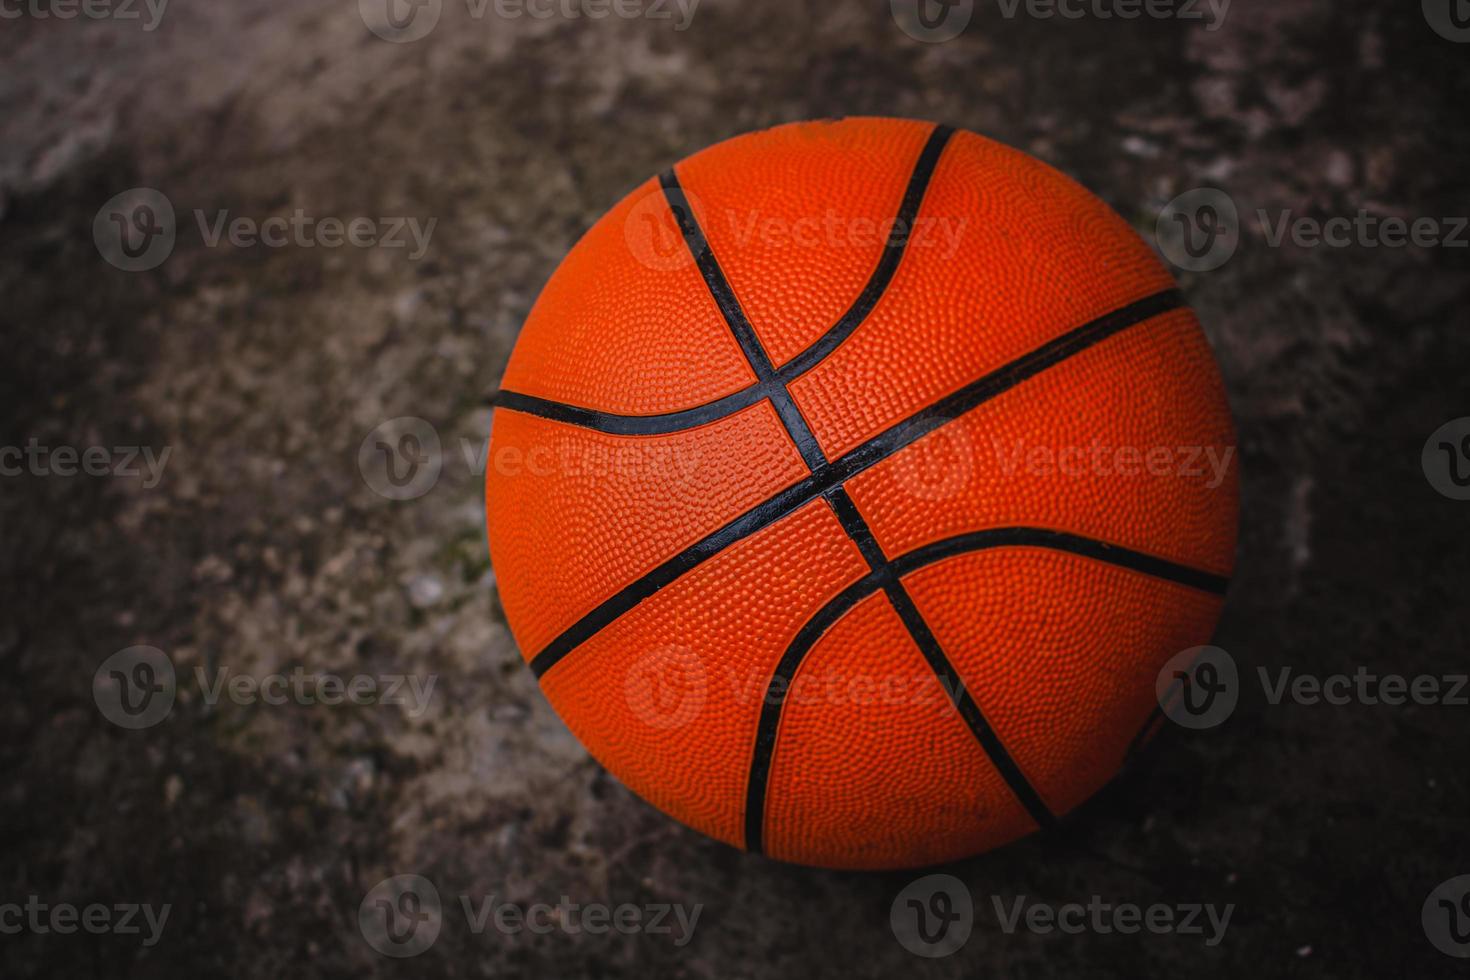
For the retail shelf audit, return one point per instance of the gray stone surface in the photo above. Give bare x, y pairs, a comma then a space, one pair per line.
263, 550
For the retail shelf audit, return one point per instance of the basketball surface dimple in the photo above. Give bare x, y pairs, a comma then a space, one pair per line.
849, 485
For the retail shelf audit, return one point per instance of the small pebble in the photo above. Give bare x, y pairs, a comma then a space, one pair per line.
424, 591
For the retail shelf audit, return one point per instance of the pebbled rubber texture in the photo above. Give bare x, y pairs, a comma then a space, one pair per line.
626, 325
588, 511
1041, 455
1047, 642
875, 767
669, 695
908, 471
1010, 280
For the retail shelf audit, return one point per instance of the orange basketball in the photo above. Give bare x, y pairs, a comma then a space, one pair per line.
849, 485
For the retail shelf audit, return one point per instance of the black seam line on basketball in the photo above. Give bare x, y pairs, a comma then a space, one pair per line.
857, 528
888, 262
740, 326
896, 568
809, 358
1087, 334
843, 468
714, 276
847, 512
852, 522
773, 699
632, 425
1077, 544
954, 685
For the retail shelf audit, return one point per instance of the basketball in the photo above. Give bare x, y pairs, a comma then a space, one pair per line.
849, 486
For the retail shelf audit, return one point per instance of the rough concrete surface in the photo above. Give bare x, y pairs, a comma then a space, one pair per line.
262, 549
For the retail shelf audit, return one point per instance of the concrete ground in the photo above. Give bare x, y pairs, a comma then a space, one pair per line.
261, 549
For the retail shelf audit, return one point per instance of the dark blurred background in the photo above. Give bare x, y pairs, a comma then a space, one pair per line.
258, 546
